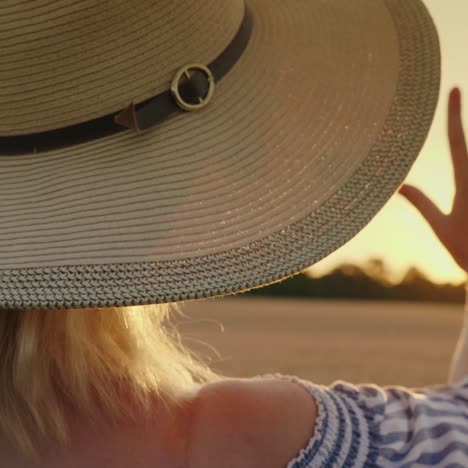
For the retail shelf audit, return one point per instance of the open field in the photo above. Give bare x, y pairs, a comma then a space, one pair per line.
388, 343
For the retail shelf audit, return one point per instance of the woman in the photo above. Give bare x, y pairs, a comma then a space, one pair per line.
161, 151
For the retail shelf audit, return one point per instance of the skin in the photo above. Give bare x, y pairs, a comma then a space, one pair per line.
452, 228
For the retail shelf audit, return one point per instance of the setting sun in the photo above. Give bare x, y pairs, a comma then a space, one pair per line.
398, 234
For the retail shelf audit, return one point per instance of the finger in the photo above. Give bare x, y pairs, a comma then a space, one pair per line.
457, 139
426, 207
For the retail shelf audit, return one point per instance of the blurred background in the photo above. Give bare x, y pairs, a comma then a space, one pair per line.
398, 235
386, 307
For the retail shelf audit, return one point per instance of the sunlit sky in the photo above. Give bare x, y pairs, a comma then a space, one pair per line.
399, 234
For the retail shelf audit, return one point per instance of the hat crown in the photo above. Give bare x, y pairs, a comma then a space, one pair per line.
63, 63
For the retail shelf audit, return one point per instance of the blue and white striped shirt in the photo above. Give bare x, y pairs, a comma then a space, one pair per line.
371, 426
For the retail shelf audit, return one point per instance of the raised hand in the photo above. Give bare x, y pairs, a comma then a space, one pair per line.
451, 229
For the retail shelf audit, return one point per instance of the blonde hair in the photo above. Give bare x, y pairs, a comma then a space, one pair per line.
57, 356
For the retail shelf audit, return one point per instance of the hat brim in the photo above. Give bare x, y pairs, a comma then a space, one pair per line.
305, 140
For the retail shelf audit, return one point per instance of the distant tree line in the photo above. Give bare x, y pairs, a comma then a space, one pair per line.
370, 282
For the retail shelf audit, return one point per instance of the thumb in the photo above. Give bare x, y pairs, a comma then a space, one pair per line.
425, 206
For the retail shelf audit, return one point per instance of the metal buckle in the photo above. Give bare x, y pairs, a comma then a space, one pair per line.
185, 70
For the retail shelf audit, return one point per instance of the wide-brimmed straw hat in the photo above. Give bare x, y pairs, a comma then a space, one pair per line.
167, 150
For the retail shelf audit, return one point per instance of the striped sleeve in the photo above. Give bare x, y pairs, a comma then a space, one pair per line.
372, 426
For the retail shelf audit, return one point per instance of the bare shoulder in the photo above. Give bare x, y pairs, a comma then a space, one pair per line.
250, 423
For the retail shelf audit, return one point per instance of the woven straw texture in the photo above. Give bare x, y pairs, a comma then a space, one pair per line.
305, 140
